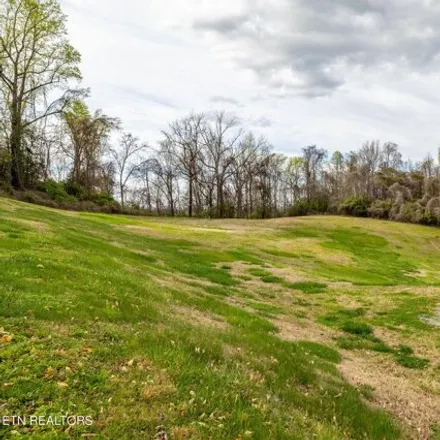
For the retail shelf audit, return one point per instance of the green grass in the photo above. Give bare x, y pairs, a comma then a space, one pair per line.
357, 328
413, 362
307, 287
141, 322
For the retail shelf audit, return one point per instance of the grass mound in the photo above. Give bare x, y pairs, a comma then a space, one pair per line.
193, 326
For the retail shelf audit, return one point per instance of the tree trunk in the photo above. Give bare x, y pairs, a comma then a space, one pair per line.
190, 201
121, 188
16, 153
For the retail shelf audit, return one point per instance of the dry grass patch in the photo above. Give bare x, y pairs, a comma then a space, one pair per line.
303, 330
8, 205
41, 228
238, 303
184, 433
196, 317
340, 285
289, 275
395, 390
139, 230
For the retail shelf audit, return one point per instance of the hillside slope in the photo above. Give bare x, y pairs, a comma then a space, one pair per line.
320, 327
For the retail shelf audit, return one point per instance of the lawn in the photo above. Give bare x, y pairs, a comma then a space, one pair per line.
317, 327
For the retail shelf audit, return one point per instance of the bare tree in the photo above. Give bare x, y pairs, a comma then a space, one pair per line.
185, 141
313, 158
219, 153
129, 147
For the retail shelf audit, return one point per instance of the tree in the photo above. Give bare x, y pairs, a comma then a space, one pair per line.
313, 158
294, 177
129, 147
218, 156
337, 162
88, 138
370, 157
168, 176
392, 158
185, 141
35, 58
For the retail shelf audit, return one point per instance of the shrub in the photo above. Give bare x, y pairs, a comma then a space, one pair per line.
6, 188
102, 198
81, 206
304, 207
5, 165
410, 212
381, 209
355, 206
75, 189
56, 191
36, 197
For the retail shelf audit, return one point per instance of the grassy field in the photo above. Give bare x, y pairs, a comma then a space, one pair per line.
320, 327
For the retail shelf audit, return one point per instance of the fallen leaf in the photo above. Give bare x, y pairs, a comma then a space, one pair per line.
6, 338
50, 372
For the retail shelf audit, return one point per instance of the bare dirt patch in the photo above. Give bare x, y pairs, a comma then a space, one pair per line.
394, 391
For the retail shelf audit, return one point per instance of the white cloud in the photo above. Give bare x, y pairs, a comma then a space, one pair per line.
299, 71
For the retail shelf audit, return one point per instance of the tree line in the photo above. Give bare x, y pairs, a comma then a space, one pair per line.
55, 151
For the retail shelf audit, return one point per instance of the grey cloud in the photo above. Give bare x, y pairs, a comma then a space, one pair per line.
262, 122
224, 99
134, 93
308, 47
223, 24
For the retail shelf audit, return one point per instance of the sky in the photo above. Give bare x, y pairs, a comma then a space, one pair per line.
300, 72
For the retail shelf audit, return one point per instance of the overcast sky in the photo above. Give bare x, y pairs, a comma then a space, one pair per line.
332, 73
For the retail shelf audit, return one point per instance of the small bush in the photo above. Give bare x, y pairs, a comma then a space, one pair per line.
56, 191
410, 212
37, 198
355, 206
75, 189
381, 209
6, 188
102, 198
304, 207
